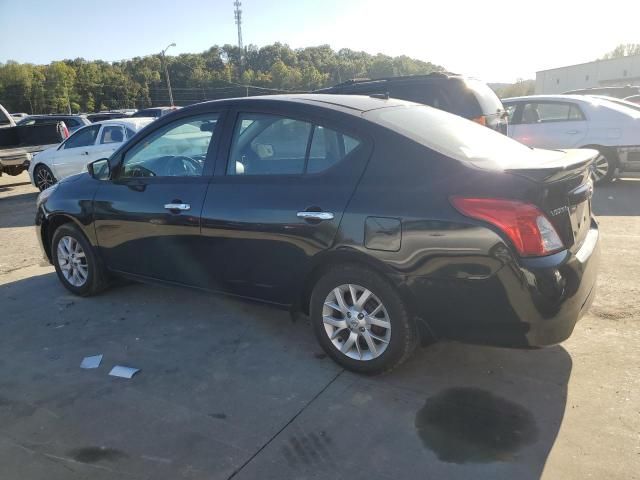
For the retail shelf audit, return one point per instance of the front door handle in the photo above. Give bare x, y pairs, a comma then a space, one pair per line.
177, 206
573, 132
316, 215
85, 153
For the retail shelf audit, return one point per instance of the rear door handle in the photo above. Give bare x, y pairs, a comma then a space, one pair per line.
177, 206
315, 215
573, 132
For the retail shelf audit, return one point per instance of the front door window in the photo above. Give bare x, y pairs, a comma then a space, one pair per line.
177, 150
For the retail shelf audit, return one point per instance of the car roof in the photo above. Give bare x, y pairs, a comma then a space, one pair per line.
364, 82
531, 98
137, 122
354, 104
58, 115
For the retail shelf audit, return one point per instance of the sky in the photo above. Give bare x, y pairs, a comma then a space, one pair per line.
496, 41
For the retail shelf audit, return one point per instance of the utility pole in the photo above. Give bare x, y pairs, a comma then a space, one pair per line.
237, 13
166, 71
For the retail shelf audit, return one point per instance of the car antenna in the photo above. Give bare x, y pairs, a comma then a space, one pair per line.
382, 96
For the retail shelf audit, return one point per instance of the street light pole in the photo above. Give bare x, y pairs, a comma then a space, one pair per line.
166, 72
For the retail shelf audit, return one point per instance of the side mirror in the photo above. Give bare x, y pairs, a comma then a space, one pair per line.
99, 169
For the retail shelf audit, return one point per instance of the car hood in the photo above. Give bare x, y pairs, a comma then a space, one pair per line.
73, 178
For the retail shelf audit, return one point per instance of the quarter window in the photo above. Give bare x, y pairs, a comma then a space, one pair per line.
83, 137
112, 134
272, 145
328, 147
176, 150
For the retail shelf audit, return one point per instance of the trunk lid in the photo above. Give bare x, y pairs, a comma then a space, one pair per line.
566, 190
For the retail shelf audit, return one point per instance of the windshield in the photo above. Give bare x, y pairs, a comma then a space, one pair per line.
454, 136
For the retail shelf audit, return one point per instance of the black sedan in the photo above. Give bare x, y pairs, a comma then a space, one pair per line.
386, 221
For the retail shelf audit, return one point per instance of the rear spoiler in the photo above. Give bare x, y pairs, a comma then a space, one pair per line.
567, 164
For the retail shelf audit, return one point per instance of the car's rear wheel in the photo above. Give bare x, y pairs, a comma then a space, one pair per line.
76, 264
43, 177
361, 321
603, 168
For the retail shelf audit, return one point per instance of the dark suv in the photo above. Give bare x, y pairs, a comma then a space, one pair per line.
73, 122
463, 96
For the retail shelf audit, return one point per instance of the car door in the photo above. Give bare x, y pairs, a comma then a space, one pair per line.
147, 215
71, 157
549, 124
279, 201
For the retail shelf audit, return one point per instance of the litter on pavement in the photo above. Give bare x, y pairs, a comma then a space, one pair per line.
123, 372
91, 362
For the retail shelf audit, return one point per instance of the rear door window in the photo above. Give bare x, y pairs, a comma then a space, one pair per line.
548, 112
112, 134
266, 144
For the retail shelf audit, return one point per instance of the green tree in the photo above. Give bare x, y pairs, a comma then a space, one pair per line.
623, 50
220, 71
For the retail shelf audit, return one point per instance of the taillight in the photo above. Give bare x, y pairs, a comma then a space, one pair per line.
65, 130
527, 227
482, 120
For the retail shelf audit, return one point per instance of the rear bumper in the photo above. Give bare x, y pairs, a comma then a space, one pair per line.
15, 164
527, 303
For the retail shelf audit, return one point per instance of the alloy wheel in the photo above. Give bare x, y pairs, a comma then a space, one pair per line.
44, 178
600, 168
356, 322
72, 261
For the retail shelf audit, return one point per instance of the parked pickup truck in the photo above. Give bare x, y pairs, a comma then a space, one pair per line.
18, 144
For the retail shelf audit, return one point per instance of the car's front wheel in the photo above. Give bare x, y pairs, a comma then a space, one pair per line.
76, 264
43, 177
361, 321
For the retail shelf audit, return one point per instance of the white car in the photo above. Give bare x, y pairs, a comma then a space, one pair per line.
579, 121
90, 143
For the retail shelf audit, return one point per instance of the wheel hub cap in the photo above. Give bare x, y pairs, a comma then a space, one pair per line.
72, 261
356, 322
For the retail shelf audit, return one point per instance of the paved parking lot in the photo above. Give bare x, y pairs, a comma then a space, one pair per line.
236, 390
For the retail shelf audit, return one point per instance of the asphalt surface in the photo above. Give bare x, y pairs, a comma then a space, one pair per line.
236, 390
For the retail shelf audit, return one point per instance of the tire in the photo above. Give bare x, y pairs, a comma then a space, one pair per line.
90, 277
43, 177
392, 345
604, 168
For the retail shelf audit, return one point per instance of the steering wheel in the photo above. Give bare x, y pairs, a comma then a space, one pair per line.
181, 165
140, 171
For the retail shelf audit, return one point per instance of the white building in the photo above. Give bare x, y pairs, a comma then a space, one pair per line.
601, 73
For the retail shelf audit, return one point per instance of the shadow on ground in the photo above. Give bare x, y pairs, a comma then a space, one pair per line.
233, 389
18, 210
618, 198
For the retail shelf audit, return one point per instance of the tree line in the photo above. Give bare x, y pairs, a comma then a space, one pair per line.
219, 72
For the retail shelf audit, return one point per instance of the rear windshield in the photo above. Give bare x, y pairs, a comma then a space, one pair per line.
489, 101
624, 109
453, 136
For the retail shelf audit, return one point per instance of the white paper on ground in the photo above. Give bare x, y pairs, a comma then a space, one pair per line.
123, 372
91, 362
